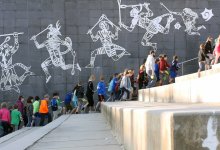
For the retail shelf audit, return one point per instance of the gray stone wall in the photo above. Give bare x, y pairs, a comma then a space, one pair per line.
76, 18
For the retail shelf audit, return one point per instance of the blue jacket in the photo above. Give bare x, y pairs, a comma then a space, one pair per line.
101, 88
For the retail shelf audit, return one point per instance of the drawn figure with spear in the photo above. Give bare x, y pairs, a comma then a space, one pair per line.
53, 45
141, 19
189, 18
9, 78
105, 36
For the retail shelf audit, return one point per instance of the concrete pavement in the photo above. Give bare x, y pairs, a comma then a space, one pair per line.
80, 132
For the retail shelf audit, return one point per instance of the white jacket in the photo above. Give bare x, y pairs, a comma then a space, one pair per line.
150, 63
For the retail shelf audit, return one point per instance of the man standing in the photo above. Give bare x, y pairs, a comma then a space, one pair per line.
43, 110
149, 65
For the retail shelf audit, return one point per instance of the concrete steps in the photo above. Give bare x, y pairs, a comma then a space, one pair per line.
215, 69
164, 126
187, 89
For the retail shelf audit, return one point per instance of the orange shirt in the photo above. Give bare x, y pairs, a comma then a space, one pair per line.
43, 107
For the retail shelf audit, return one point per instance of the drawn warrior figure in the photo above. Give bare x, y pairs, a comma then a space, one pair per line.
142, 20
53, 44
189, 18
9, 78
105, 36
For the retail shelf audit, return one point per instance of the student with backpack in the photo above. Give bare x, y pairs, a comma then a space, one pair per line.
101, 92
67, 102
54, 105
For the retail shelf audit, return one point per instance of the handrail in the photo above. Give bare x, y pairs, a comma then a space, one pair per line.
188, 60
182, 63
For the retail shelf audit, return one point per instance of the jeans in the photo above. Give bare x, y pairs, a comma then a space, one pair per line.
43, 115
151, 81
30, 117
122, 93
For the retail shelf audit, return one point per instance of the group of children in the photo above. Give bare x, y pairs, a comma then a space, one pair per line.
29, 113
157, 71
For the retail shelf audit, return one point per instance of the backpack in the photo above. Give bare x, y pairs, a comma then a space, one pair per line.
68, 98
54, 104
80, 92
110, 87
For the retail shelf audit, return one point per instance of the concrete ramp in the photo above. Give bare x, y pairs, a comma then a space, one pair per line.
164, 126
68, 132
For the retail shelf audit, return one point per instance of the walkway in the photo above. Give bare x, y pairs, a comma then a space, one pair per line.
79, 132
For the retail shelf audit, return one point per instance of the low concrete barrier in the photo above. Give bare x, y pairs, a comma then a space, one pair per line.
196, 90
144, 126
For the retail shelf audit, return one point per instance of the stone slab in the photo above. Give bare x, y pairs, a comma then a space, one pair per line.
159, 126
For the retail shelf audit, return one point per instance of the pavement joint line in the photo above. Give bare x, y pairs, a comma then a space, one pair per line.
79, 140
87, 146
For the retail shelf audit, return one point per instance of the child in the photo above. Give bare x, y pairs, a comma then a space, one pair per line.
173, 70
101, 92
54, 105
16, 117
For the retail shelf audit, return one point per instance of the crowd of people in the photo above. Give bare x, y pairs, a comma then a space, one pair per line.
155, 71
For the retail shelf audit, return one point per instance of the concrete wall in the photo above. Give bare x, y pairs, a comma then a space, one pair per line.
142, 126
76, 18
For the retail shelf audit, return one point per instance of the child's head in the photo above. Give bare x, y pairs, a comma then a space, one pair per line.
46, 97
165, 57
55, 94
102, 78
175, 57
37, 98
4, 105
30, 99
202, 46
92, 78
15, 106
21, 98
161, 56
157, 61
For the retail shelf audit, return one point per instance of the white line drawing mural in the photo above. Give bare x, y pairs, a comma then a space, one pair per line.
53, 45
141, 19
9, 78
105, 36
207, 14
177, 26
189, 18
211, 142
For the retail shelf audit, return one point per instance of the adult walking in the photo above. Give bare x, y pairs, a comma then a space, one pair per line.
150, 67
90, 92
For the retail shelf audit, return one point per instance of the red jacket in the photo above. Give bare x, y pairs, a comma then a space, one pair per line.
163, 65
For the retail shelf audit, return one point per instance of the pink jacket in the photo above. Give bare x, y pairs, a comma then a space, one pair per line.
5, 115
